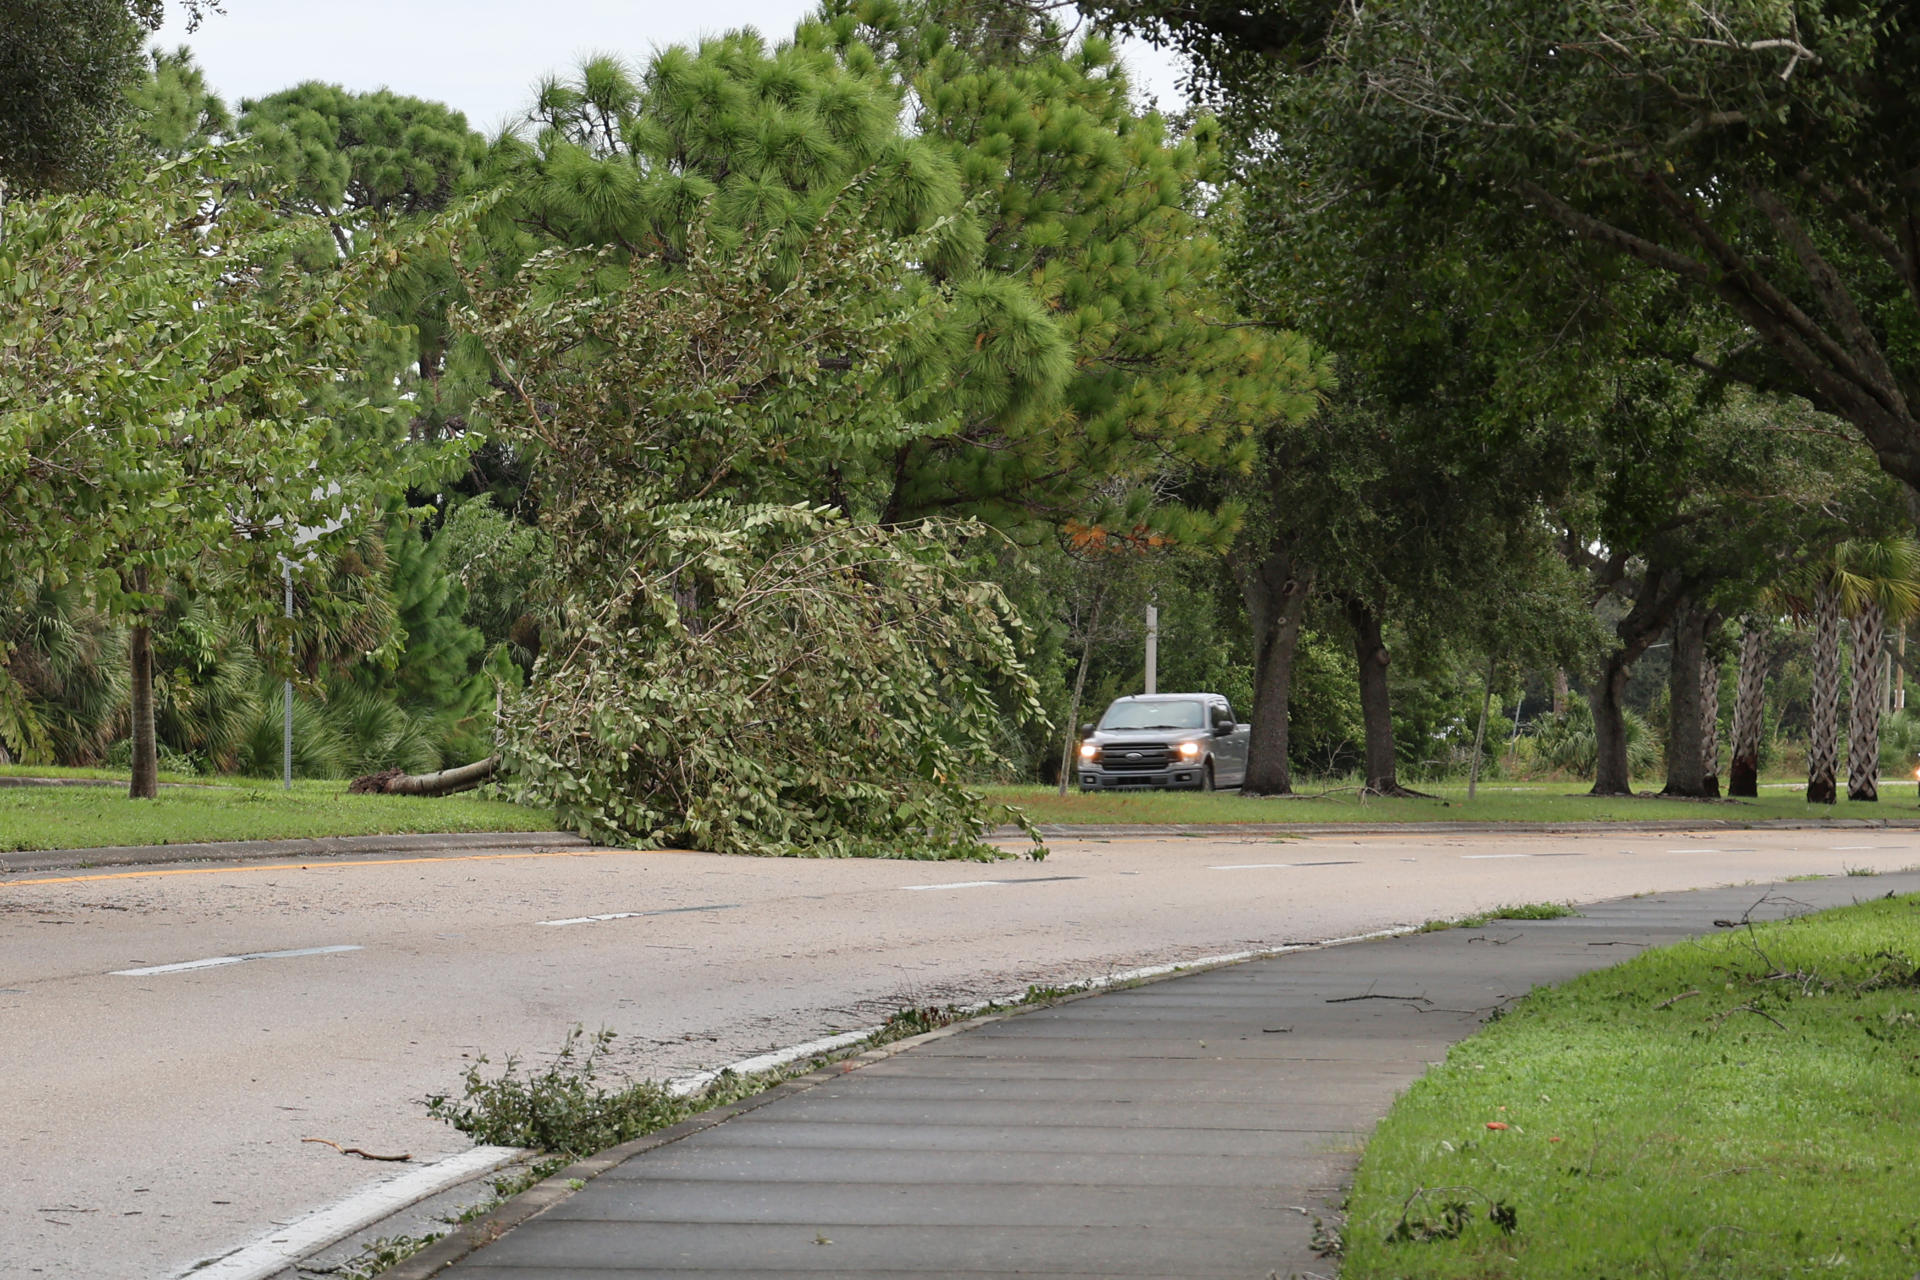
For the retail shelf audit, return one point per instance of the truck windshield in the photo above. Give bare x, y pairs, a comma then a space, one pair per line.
1154, 715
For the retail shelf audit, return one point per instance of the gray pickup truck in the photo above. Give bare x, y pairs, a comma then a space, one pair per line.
1183, 741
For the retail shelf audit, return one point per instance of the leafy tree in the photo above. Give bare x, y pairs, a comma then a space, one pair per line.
156, 378
65, 66
726, 666
1752, 158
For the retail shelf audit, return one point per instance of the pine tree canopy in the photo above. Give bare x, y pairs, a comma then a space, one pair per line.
349, 156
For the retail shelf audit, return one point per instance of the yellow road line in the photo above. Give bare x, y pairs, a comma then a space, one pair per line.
230, 868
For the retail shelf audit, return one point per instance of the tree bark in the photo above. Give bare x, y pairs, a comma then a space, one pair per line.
1612, 773
1823, 740
1710, 716
1376, 702
1749, 712
1480, 731
443, 783
1277, 590
145, 782
1559, 691
1660, 594
1684, 750
1869, 671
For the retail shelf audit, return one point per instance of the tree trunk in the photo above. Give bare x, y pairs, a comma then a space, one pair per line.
145, 783
1480, 732
1376, 702
1869, 670
1684, 751
1660, 595
1823, 741
1079, 686
1277, 591
1559, 691
1710, 718
1612, 773
1749, 712
444, 783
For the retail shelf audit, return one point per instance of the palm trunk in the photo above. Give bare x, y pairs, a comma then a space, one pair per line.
1277, 591
1749, 713
1685, 753
1869, 672
1376, 702
1823, 743
1710, 719
145, 782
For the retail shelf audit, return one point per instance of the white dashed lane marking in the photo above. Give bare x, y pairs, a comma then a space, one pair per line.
214, 962
986, 884
635, 915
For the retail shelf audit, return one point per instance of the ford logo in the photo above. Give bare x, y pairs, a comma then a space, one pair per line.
1133, 755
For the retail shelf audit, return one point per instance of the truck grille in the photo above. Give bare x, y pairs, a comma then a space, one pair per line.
1142, 756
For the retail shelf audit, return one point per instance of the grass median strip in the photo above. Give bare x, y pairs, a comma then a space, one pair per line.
86, 817
1744, 1105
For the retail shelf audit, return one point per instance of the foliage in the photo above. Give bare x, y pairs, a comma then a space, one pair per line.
1742, 164
1565, 743
498, 563
1094, 218
564, 1108
64, 68
1673, 1080
158, 421
175, 113
724, 667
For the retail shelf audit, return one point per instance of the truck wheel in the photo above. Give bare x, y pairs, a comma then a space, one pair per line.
1206, 777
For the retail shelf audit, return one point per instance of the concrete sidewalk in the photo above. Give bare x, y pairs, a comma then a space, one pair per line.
1192, 1127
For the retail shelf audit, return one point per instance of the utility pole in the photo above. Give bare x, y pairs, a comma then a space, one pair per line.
286, 691
1153, 649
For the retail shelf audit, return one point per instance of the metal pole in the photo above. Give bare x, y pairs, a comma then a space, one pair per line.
286, 692
1153, 649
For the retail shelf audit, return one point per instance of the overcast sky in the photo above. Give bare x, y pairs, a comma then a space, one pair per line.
482, 57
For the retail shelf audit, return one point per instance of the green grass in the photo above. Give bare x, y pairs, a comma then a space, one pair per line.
1745, 1105
1514, 911
1496, 802
92, 817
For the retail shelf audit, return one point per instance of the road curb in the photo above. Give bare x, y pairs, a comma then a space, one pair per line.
1073, 831
425, 846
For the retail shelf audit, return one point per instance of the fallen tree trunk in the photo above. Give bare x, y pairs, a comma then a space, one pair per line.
398, 782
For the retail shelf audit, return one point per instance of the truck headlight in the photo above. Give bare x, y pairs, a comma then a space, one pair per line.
1189, 750
1089, 751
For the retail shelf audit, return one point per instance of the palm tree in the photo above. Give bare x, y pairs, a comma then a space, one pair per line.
1883, 586
1865, 580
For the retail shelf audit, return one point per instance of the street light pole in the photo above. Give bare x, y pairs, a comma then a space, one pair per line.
1153, 649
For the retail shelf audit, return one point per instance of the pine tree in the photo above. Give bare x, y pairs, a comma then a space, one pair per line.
1093, 220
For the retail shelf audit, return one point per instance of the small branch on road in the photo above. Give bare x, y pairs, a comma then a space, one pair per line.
355, 1151
1371, 996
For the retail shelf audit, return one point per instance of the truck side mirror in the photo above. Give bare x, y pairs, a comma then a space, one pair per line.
1085, 730
1223, 729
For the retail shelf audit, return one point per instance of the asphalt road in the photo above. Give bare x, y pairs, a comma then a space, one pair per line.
155, 1118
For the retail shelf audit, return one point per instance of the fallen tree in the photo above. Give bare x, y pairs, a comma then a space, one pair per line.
398, 782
